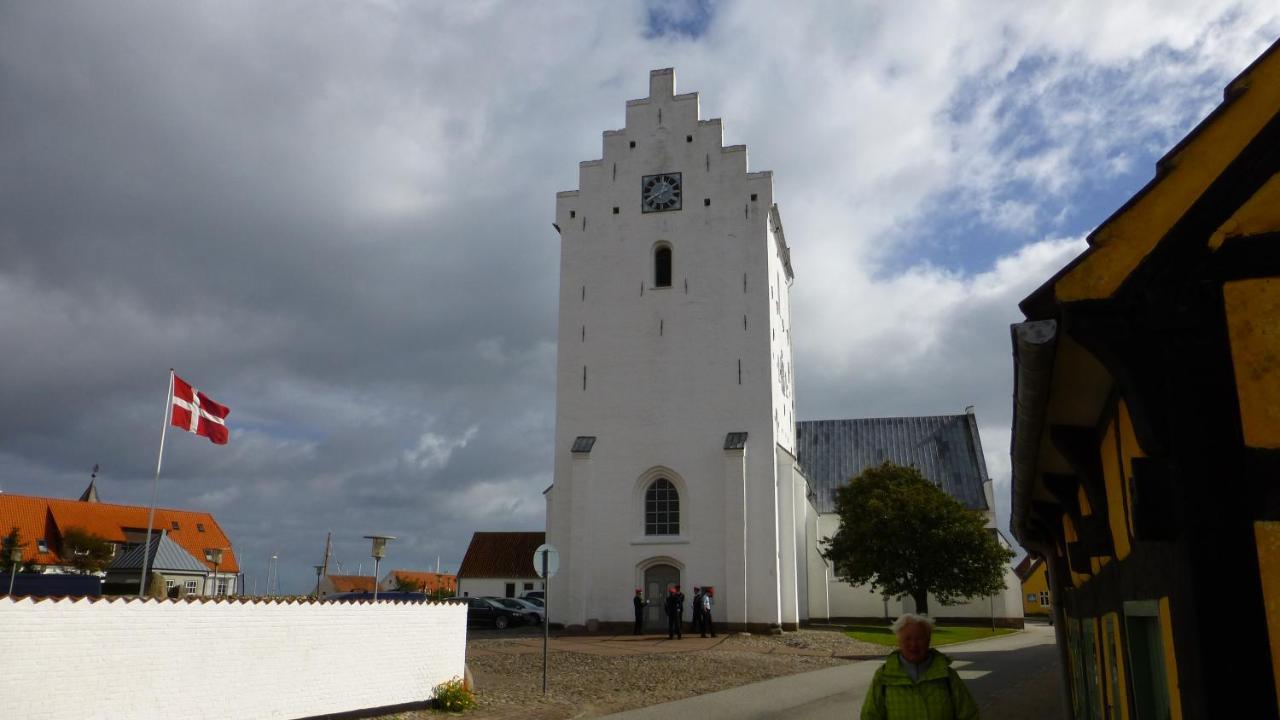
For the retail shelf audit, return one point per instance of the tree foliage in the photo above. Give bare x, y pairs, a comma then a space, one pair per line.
86, 552
408, 584
903, 535
11, 541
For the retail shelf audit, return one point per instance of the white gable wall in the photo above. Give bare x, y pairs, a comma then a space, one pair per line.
662, 379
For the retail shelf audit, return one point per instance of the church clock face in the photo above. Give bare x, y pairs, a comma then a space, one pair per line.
659, 193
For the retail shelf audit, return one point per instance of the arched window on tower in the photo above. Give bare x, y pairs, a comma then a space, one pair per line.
661, 508
662, 266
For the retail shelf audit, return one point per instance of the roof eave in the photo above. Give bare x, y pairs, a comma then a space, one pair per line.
1034, 347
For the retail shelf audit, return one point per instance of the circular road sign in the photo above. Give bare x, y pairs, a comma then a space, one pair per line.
553, 560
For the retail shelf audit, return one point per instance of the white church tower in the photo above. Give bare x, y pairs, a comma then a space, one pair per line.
675, 423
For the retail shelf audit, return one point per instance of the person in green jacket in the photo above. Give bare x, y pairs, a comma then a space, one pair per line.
916, 682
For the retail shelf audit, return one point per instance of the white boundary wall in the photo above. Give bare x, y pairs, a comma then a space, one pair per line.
137, 659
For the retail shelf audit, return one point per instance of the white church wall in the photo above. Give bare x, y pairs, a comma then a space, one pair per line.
788, 586
660, 375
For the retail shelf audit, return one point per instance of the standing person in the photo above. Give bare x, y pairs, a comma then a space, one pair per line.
707, 627
672, 608
917, 681
638, 603
697, 612
679, 612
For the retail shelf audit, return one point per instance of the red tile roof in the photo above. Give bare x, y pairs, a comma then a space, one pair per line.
39, 518
351, 583
1027, 566
501, 555
428, 581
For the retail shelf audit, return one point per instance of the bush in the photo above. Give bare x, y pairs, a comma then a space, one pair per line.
454, 696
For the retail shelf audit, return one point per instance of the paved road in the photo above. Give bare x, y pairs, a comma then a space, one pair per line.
1013, 676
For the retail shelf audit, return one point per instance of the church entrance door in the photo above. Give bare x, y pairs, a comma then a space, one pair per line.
657, 580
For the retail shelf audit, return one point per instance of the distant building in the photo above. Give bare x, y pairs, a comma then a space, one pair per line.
1035, 586
421, 580
41, 523
500, 564
333, 584
184, 575
1146, 436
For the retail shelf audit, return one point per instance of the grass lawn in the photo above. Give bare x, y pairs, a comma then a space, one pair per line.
942, 634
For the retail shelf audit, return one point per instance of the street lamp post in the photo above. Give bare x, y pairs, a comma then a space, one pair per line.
15, 557
319, 569
270, 568
215, 555
379, 551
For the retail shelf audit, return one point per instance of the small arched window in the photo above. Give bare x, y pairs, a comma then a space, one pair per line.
661, 508
662, 266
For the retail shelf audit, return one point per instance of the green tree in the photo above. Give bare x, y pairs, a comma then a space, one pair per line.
84, 551
405, 584
903, 535
11, 541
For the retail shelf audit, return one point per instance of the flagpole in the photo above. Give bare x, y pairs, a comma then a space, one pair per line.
155, 489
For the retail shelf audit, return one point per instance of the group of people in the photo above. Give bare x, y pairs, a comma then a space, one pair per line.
673, 606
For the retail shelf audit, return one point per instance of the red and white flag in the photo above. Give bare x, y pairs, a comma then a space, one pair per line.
195, 412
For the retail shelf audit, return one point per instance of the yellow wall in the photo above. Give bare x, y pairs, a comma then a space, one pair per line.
1260, 214
1129, 450
1170, 660
1267, 536
1069, 532
1253, 323
1037, 582
1114, 480
1117, 688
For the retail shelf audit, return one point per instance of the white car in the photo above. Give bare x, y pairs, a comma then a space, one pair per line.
533, 612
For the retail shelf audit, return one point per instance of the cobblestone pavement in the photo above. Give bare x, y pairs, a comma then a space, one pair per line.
590, 676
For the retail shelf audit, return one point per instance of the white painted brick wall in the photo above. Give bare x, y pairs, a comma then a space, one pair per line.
164, 659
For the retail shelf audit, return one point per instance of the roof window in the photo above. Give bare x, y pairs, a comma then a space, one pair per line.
175, 525
200, 527
42, 545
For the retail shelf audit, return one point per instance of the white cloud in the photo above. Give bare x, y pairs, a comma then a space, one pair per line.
433, 451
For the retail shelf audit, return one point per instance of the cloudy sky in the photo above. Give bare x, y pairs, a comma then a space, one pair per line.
336, 219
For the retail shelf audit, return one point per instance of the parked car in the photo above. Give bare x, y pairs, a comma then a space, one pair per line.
535, 601
534, 613
387, 595
482, 611
541, 595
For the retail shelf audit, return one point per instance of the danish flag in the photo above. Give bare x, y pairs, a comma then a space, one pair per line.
197, 413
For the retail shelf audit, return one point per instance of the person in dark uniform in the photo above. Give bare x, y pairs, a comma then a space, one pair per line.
639, 603
697, 612
679, 612
707, 627
672, 608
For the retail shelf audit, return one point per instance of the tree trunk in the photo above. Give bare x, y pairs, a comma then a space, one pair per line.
922, 601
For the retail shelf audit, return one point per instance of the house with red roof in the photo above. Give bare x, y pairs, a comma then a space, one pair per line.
423, 581
42, 522
334, 584
500, 564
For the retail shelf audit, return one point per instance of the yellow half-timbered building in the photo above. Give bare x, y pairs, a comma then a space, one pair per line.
1146, 451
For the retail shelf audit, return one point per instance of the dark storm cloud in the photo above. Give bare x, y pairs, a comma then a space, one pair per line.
265, 198
335, 218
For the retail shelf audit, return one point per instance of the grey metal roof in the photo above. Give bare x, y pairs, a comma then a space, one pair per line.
735, 441
165, 555
944, 448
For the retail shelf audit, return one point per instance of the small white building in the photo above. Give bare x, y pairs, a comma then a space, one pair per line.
500, 564
676, 454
